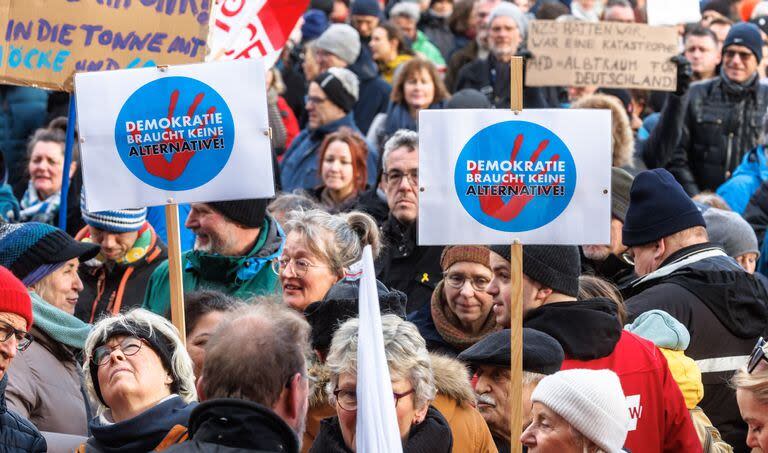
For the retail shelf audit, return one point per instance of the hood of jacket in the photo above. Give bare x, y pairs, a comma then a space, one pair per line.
753, 164
364, 68
433, 435
243, 424
269, 246
662, 329
734, 296
318, 134
452, 379
586, 329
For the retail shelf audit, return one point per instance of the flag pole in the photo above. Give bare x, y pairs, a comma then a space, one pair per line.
68, 146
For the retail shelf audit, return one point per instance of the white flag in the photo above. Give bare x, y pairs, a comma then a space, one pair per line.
377, 429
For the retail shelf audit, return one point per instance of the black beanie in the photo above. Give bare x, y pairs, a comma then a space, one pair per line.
554, 266
334, 89
162, 347
748, 35
658, 207
249, 213
505, 251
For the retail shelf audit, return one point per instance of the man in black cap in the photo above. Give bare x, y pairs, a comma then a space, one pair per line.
721, 305
491, 358
723, 115
235, 241
607, 261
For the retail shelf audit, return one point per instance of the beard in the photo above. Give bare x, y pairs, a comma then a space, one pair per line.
596, 252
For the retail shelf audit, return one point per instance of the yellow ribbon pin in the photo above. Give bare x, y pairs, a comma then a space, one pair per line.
425, 278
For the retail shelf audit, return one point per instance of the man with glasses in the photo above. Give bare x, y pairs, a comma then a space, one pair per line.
682, 273
330, 99
235, 243
254, 387
402, 264
592, 338
16, 432
723, 115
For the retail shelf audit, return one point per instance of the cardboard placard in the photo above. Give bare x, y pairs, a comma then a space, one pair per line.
604, 54
498, 177
182, 134
46, 41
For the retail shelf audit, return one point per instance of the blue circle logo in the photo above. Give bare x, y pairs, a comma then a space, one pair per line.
175, 133
515, 176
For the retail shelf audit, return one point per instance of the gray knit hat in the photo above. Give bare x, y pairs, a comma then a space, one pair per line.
621, 182
511, 10
591, 401
407, 9
731, 232
341, 40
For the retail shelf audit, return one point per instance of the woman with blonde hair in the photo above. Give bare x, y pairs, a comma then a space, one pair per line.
751, 384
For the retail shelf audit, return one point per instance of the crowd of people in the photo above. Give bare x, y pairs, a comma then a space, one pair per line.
651, 343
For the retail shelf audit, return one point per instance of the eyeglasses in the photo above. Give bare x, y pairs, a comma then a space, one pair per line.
23, 339
347, 399
315, 100
759, 353
395, 177
300, 266
129, 346
457, 281
730, 54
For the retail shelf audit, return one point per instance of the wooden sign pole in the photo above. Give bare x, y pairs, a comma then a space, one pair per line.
516, 274
174, 268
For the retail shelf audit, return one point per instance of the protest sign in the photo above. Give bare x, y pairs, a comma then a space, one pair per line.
252, 28
189, 133
604, 54
494, 177
665, 12
46, 41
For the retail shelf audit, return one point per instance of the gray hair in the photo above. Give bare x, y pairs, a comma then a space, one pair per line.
288, 202
140, 319
401, 138
531, 378
338, 239
404, 347
406, 9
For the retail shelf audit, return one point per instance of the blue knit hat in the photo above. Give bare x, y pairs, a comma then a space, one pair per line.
117, 221
366, 8
658, 207
33, 250
748, 35
315, 23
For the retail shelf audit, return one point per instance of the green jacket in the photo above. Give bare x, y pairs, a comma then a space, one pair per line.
423, 46
237, 276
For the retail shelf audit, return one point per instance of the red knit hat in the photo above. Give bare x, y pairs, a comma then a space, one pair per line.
14, 297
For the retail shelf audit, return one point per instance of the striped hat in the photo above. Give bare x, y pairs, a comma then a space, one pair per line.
117, 221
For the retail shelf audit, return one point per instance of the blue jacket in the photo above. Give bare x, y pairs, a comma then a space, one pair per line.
17, 434
9, 206
299, 169
22, 110
746, 179
374, 92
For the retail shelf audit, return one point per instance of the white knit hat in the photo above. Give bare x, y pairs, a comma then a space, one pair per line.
591, 401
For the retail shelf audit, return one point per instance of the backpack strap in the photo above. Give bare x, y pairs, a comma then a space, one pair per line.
176, 435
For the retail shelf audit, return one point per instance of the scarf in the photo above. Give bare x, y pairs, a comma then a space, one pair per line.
399, 117
33, 209
738, 89
332, 205
448, 324
61, 326
142, 432
138, 250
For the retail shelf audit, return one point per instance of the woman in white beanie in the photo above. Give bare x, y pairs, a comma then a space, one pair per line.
577, 411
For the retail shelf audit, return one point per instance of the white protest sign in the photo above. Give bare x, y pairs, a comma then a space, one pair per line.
179, 134
666, 12
492, 177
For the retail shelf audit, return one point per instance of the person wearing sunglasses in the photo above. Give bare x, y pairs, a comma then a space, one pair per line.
422, 427
45, 385
751, 383
16, 432
141, 377
460, 313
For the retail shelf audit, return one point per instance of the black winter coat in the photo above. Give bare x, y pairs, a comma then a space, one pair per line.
723, 308
433, 435
407, 267
374, 92
17, 434
228, 425
722, 123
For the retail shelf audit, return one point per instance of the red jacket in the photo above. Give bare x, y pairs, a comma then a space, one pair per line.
659, 419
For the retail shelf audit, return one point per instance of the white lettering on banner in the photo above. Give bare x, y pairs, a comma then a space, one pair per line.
720, 364
635, 410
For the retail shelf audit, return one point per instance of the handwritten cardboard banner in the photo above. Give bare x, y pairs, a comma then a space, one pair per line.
604, 54
44, 42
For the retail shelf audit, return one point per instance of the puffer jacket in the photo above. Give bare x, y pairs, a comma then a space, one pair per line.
722, 123
17, 434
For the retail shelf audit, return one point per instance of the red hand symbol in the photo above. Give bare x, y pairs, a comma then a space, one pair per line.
494, 205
